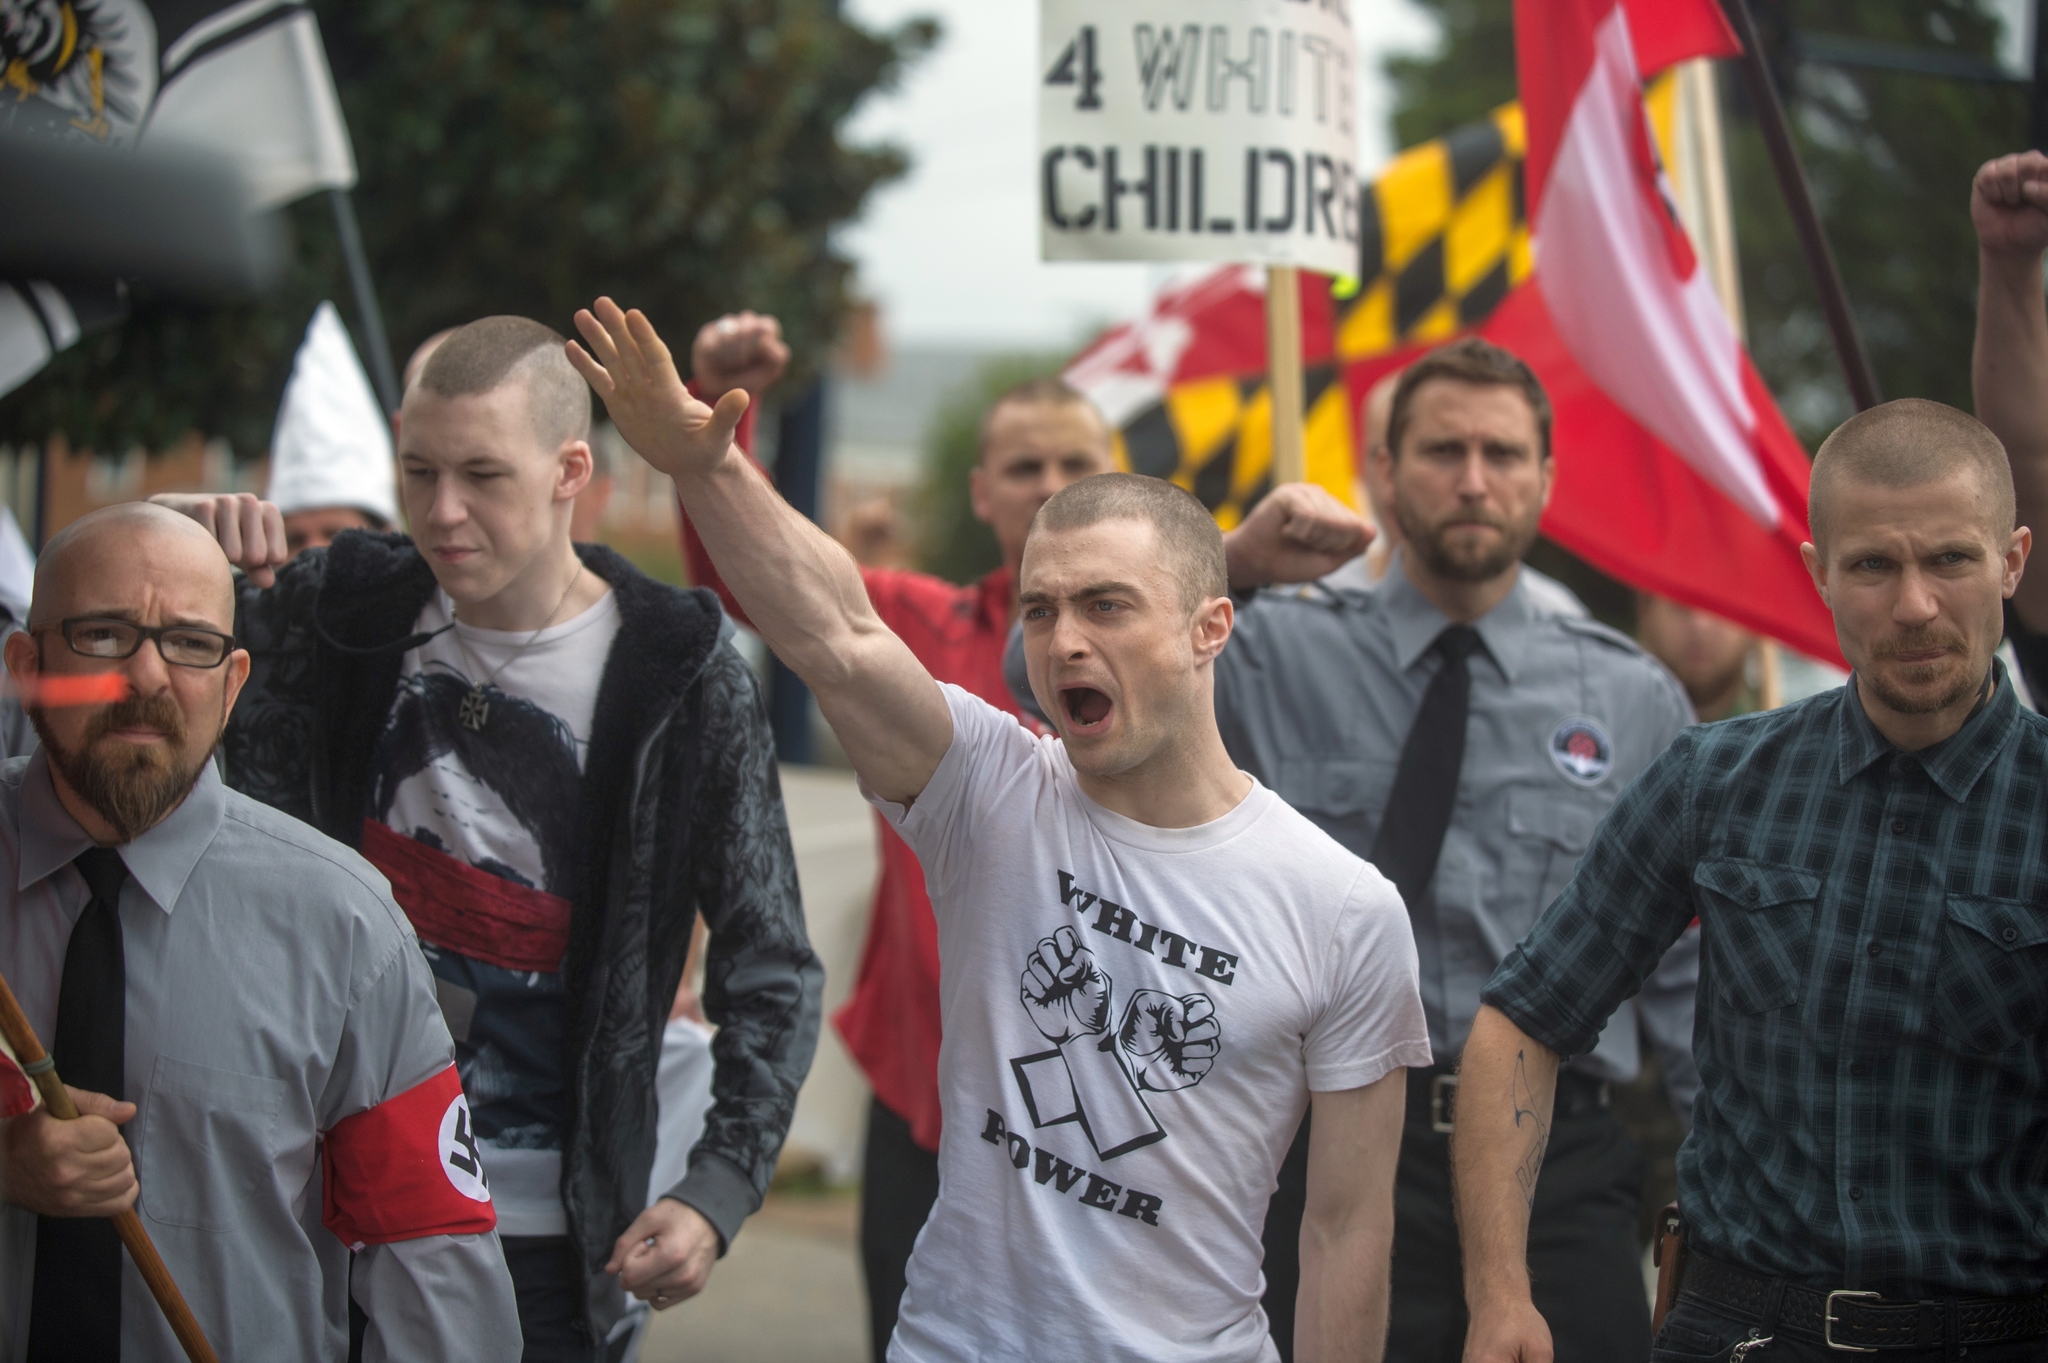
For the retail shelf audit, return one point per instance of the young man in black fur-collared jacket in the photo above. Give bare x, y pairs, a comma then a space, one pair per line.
558, 765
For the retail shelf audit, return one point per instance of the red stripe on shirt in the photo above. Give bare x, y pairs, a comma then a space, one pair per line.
463, 908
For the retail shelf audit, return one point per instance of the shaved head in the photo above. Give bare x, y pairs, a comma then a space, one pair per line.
1186, 533
421, 353
494, 351
1910, 443
129, 539
120, 767
1045, 392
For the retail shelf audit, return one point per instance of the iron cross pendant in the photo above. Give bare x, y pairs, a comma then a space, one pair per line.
475, 711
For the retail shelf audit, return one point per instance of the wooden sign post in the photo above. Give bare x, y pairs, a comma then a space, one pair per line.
1283, 372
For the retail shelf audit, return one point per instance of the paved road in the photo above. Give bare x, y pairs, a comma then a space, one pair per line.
789, 1292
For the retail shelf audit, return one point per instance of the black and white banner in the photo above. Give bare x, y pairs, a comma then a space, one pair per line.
245, 81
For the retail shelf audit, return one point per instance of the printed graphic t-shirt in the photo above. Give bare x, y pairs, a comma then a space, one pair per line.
479, 831
1133, 1020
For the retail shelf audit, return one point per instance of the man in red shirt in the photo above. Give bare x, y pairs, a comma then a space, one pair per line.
1035, 439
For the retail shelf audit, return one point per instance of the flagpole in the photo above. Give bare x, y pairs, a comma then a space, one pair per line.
1813, 241
1283, 372
36, 1063
376, 347
1703, 179
1699, 111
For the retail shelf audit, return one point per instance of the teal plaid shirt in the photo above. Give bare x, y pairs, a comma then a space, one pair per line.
1872, 1028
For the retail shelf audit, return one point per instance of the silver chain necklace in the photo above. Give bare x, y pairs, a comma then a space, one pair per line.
475, 710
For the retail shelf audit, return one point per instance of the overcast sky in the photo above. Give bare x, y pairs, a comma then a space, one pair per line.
951, 252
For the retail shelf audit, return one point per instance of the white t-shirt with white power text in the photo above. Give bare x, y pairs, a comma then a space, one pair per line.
1134, 1018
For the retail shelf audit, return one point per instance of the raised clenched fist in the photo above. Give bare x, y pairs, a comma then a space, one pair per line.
2009, 205
1063, 990
1170, 1042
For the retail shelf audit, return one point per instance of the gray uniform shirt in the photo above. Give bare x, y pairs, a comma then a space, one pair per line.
1315, 695
273, 989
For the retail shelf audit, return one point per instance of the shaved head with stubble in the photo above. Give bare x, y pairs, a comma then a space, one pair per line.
1915, 551
493, 451
121, 766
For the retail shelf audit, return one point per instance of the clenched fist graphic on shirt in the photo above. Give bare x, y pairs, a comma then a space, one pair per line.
1170, 1042
1065, 992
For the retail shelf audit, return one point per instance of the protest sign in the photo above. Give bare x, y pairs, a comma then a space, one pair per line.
1205, 130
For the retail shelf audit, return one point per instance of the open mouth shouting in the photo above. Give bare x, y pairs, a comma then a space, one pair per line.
1087, 710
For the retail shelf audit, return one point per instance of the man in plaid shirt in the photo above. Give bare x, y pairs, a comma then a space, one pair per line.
1868, 1164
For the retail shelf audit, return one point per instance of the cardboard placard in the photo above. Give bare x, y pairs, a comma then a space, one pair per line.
1218, 130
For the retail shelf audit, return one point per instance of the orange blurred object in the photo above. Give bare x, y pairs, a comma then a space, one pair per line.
95, 688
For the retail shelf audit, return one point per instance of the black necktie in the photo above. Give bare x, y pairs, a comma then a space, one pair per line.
75, 1311
1426, 783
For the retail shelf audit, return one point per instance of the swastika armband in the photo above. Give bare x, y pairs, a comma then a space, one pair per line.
406, 1169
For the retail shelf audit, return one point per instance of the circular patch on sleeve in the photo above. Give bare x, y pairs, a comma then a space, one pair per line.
460, 1160
1582, 750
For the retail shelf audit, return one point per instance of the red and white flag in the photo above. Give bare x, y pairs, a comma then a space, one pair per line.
1676, 472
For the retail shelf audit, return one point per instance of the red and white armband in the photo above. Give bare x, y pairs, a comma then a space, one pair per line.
18, 1093
406, 1169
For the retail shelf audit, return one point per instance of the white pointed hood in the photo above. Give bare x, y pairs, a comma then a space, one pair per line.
332, 446
17, 567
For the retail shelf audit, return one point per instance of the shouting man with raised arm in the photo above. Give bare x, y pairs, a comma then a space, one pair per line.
1034, 440
1148, 960
1865, 1168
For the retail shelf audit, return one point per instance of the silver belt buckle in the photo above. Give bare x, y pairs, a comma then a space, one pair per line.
1443, 1097
1828, 1323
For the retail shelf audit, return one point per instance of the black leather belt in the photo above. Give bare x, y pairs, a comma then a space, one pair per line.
1860, 1322
1433, 1094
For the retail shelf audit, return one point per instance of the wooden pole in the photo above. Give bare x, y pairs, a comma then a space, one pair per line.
1813, 241
1715, 234
36, 1063
1712, 221
1770, 682
1283, 372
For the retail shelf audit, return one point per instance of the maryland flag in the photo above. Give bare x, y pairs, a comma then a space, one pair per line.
1676, 471
1444, 239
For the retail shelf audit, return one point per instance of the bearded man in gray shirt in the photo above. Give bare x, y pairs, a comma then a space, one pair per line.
249, 1030
1465, 736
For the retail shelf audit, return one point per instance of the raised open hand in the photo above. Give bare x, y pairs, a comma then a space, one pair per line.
2009, 204
1170, 1042
646, 398
1063, 990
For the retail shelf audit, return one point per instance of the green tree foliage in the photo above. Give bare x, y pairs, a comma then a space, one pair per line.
1889, 156
522, 156
954, 544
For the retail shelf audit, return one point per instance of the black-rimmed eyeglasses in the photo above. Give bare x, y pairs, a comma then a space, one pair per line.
179, 645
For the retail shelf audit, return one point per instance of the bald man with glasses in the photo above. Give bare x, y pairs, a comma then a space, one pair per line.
248, 1030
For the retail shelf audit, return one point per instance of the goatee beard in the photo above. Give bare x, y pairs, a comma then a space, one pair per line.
1900, 702
132, 787
1431, 545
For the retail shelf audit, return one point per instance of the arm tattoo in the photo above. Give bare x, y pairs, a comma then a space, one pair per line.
1526, 1118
